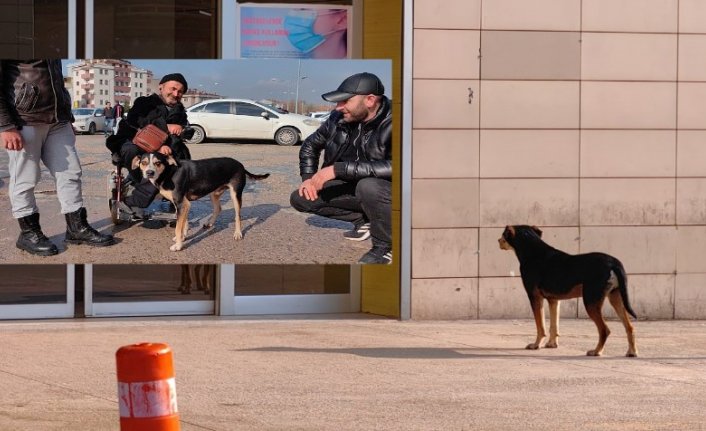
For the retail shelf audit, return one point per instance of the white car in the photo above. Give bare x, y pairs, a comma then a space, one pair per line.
247, 119
88, 120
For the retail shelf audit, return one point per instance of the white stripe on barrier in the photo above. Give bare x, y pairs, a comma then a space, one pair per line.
147, 399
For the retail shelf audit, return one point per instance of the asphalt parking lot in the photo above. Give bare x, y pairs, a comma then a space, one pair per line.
273, 232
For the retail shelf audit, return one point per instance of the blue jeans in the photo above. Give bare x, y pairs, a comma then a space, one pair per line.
108, 128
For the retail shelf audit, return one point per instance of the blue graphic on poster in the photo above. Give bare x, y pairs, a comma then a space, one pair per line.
294, 32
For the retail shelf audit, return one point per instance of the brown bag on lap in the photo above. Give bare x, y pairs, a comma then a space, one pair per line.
150, 138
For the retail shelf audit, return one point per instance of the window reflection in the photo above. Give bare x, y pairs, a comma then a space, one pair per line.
32, 284
34, 29
291, 279
125, 283
156, 29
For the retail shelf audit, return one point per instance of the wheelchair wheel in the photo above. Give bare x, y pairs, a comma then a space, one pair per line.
114, 213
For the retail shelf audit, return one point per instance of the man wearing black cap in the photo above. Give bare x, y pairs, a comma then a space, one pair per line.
354, 182
164, 110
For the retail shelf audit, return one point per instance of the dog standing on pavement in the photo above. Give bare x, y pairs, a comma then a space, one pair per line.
189, 180
551, 274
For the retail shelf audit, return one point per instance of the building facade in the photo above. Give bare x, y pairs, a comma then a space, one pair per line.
585, 118
96, 82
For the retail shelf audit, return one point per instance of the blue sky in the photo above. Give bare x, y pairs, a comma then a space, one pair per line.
268, 78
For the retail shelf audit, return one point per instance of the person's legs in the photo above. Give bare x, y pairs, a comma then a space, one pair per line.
108, 128
375, 196
336, 200
60, 157
24, 175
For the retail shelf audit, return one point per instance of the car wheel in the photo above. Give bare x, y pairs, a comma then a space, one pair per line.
287, 136
92, 128
199, 135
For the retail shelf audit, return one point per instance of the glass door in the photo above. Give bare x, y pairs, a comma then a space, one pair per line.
289, 289
150, 290
36, 291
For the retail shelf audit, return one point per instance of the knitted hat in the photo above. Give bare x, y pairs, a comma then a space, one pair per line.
178, 77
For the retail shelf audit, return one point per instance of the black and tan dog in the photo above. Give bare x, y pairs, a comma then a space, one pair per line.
189, 180
551, 274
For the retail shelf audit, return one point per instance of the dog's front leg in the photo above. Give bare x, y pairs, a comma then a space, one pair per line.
182, 225
553, 324
538, 310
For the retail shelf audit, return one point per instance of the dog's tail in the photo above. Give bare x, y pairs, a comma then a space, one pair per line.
255, 176
623, 287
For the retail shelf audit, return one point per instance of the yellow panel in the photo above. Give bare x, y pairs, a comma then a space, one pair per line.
382, 38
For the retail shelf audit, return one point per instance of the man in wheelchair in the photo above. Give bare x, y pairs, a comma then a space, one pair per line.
164, 110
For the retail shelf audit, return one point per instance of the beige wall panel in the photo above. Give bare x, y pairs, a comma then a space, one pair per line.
692, 57
445, 153
628, 201
651, 16
432, 59
541, 202
628, 105
439, 203
530, 105
438, 253
691, 153
644, 250
445, 298
532, 15
440, 104
692, 105
505, 298
494, 262
460, 14
529, 153
619, 56
692, 16
651, 296
691, 201
691, 251
690, 301
531, 55
628, 153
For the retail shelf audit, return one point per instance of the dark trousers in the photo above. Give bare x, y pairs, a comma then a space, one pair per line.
369, 199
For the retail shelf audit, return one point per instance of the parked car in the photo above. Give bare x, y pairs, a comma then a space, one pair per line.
247, 119
88, 120
319, 114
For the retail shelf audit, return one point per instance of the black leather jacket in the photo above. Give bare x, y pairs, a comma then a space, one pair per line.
333, 136
32, 92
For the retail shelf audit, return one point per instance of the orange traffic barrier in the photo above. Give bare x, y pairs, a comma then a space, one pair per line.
146, 388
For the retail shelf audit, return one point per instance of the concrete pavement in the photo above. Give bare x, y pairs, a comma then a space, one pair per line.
357, 372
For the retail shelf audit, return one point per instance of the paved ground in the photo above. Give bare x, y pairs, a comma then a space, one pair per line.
360, 373
274, 232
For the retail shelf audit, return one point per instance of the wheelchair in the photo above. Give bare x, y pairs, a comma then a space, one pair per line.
118, 183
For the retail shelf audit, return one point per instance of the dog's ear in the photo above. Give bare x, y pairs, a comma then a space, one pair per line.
510, 230
537, 231
135, 162
172, 161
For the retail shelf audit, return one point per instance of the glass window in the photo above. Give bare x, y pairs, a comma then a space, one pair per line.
156, 29
242, 108
217, 108
291, 279
32, 284
34, 29
115, 283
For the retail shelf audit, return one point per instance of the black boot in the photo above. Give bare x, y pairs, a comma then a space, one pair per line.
78, 231
32, 239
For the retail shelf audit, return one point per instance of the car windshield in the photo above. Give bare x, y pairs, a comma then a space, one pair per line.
82, 111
